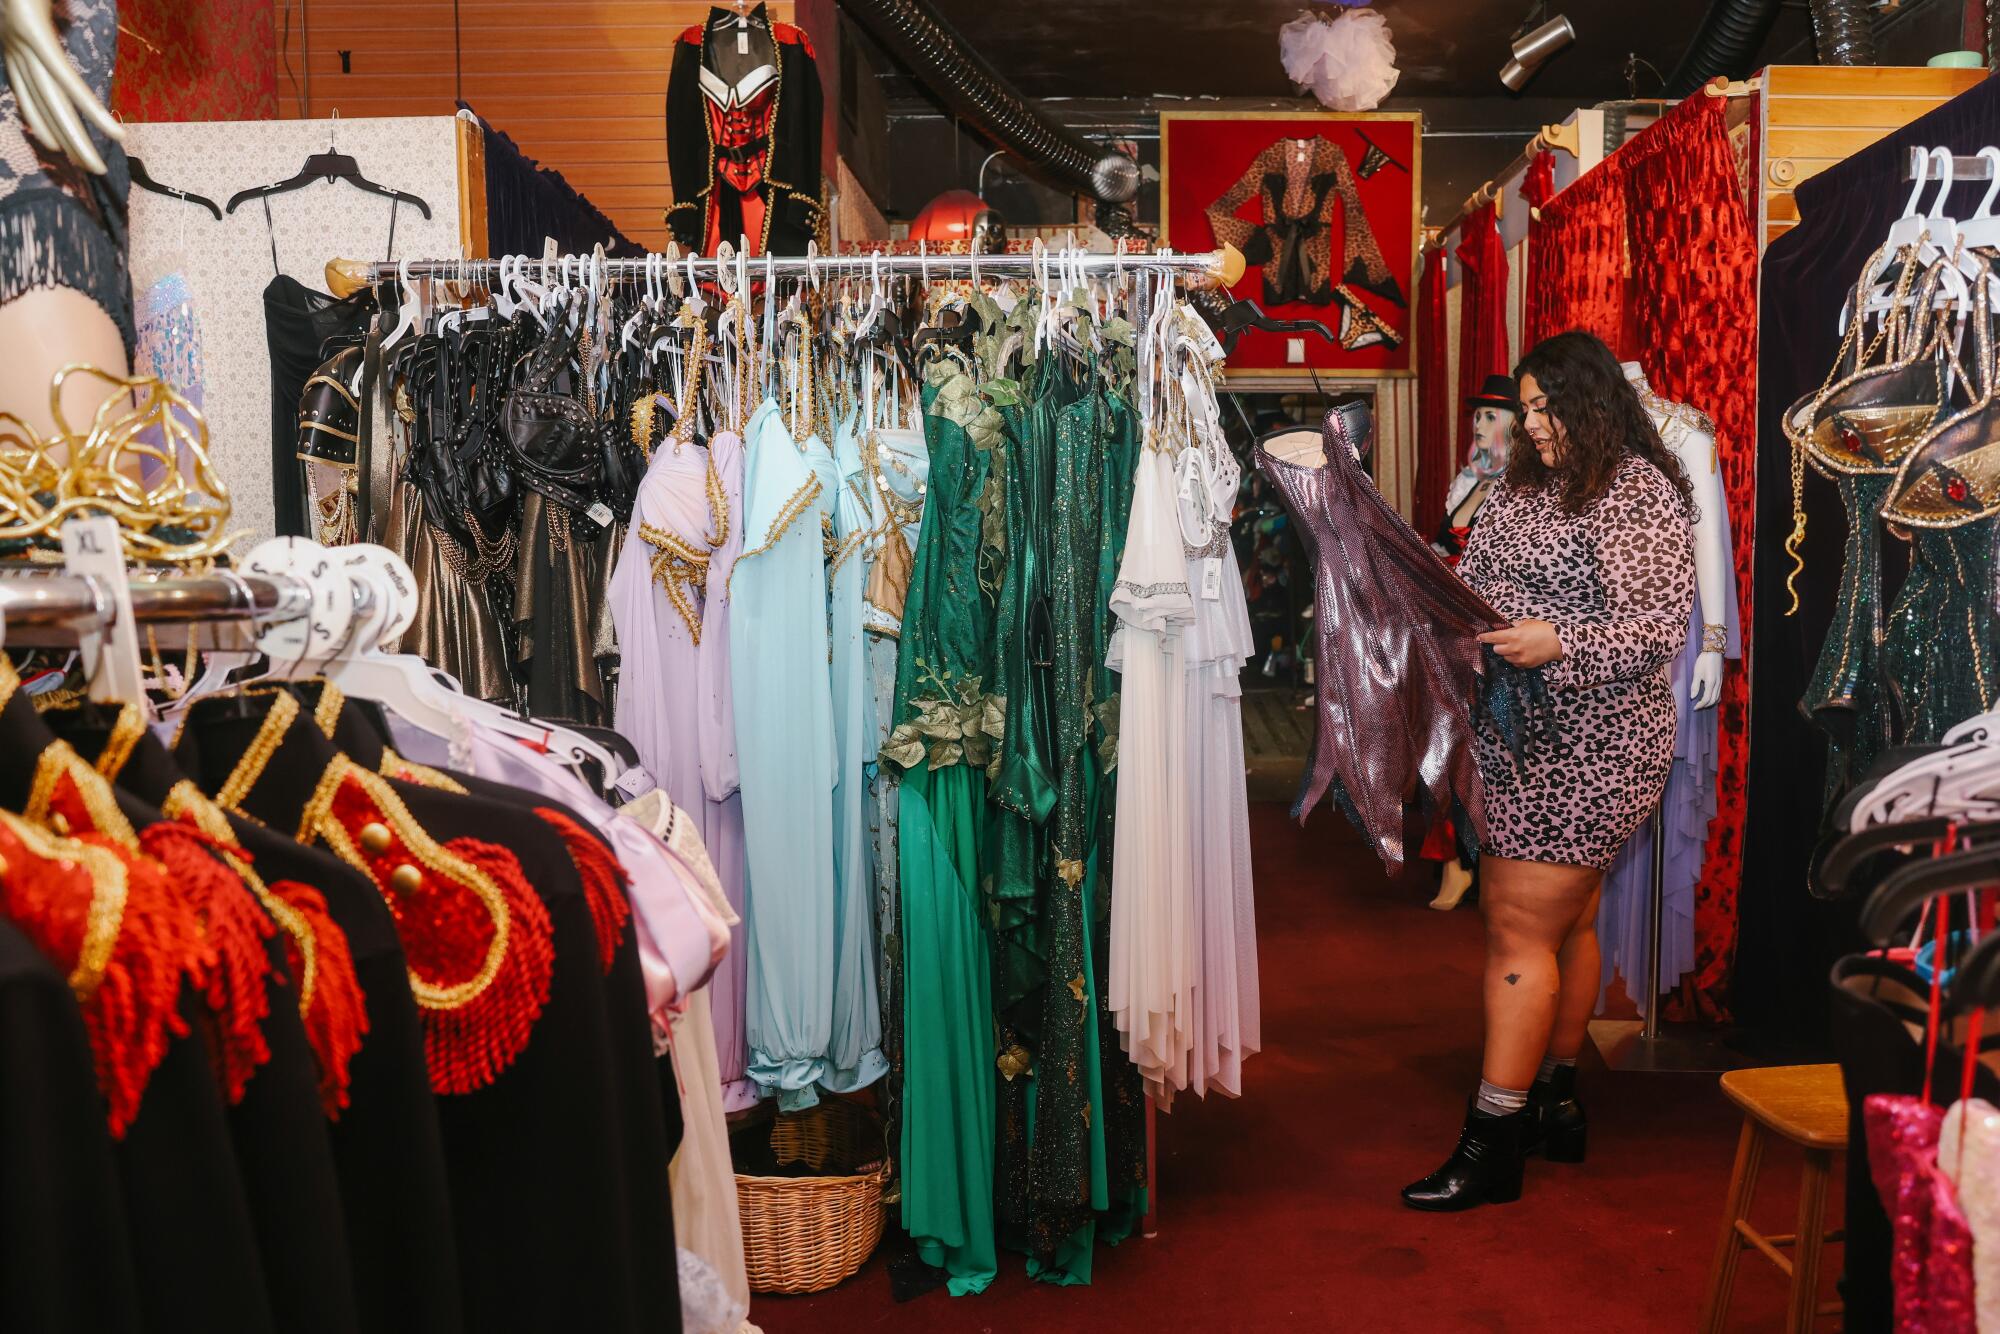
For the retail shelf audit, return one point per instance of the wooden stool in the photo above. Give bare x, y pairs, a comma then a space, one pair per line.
1807, 1105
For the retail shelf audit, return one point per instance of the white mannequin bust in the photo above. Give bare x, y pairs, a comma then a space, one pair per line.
1691, 437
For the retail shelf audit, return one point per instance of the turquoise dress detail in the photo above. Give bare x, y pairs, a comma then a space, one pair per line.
786, 757
857, 1003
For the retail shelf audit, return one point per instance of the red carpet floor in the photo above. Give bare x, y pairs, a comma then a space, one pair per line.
1279, 1210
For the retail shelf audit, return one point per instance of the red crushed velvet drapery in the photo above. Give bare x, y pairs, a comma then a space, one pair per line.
1437, 432
1482, 316
1577, 257
1538, 186
1693, 323
196, 60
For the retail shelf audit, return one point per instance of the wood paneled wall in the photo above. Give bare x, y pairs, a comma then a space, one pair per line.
1814, 116
580, 85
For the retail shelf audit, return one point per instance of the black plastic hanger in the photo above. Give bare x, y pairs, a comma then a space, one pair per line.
331, 165
1908, 888
144, 180
1848, 853
1975, 984
1242, 316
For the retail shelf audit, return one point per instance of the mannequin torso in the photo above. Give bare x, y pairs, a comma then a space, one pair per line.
1691, 436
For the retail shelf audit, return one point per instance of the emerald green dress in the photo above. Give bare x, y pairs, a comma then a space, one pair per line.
942, 741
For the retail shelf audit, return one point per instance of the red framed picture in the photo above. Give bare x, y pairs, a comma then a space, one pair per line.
1324, 207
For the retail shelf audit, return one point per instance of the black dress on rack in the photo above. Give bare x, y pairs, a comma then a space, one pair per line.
386, 1143
537, 1163
303, 328
276, 1125
647, 1124
65, 1259
567, 539
193, 1243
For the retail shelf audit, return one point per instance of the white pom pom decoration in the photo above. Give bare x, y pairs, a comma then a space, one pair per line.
1349, 64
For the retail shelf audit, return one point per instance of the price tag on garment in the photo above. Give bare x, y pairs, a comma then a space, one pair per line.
599, 514
635, 782
1211, 578
91, 547
743, 40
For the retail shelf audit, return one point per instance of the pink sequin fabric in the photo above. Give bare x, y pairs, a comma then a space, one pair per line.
1931, 1255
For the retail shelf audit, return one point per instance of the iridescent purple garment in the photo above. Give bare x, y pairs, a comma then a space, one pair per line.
674, 699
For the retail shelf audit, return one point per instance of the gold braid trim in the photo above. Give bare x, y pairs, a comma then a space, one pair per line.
332, 699
186, 803
107, 904
677, 569
250, 767
395, 766
10, 681
125, 734
61, 759
318, 821
794, 507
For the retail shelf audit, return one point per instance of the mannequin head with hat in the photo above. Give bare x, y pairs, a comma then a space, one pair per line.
1494, 410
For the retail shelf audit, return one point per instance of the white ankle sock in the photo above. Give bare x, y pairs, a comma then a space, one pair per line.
1496, 1101
1550, 1064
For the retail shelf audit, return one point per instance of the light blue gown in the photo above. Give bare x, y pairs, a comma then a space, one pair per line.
800, 1003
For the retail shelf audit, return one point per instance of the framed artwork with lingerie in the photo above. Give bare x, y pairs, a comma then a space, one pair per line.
1325, 208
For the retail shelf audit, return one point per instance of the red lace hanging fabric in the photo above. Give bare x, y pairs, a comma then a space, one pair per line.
1482, 319
1694, 320
1437, 431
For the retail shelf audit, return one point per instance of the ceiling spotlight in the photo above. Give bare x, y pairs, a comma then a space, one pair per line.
1532, 50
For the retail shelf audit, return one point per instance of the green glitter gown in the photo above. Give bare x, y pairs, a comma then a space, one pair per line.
942, 741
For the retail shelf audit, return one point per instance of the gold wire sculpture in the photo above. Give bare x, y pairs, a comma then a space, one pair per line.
143, 430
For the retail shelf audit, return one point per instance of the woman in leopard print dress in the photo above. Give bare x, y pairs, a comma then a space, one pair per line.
1588, 547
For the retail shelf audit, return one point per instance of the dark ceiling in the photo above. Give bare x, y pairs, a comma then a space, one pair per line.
1229, 48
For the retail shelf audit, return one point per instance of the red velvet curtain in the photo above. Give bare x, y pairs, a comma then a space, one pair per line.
1577, 257
1437, 432
1694, 325
1482, 314
1538, 186
196, 60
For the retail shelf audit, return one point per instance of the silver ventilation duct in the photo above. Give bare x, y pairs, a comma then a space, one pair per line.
1843, 32
914, 33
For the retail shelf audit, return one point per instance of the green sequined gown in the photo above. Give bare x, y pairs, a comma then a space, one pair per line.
942, 742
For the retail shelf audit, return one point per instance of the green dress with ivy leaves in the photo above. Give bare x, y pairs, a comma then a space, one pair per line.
942, 741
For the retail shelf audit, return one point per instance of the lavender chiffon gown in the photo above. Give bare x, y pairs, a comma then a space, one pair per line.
1624, 914
670, 600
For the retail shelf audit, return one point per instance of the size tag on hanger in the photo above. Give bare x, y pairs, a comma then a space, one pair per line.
635, 782
1211, 578
91, 547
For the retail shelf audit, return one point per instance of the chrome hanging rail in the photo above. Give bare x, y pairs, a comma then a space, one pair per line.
80, 600
1223, 267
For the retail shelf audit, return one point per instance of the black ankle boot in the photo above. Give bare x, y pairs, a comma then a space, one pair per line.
1556, 1125
1485, 1168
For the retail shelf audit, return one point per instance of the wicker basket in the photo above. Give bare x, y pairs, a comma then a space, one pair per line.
807, 1233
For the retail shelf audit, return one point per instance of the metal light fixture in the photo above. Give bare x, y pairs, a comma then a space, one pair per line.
1532, 50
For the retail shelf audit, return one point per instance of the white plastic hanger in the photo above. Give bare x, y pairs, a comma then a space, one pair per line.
410, 313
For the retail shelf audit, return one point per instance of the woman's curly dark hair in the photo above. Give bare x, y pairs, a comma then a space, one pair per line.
1598, 408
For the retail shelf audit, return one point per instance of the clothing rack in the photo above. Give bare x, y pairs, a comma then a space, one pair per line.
1222, 267
54, 609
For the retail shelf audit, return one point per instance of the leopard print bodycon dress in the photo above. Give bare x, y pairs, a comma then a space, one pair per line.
1617, 582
